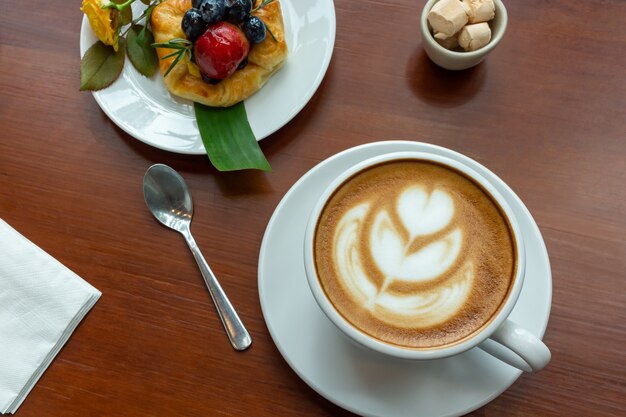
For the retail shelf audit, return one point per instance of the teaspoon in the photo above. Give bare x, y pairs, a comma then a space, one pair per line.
169, 200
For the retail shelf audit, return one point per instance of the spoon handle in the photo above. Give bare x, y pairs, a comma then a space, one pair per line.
237, 333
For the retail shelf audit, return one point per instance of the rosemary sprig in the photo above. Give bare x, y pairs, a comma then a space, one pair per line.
270, 32
262, 5
183, 49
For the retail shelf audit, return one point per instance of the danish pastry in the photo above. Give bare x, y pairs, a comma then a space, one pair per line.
264, 58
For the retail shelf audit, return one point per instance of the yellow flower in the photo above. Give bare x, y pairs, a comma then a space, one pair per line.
104, 22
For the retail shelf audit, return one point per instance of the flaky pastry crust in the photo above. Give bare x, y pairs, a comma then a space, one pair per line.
264, 59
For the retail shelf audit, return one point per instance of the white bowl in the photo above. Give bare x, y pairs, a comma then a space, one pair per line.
454, 60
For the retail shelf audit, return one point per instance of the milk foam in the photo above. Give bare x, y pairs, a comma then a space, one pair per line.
422, 214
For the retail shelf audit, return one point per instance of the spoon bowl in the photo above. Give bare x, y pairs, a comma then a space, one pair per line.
167, 197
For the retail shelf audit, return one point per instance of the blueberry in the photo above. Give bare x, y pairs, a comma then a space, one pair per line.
193, 25
237, 11
254, 28
212, 10
196, 3
243, 63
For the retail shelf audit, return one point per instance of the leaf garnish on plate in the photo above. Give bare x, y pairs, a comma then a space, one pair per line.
106, 18
126, 15
228, 138
140, 51
101, 65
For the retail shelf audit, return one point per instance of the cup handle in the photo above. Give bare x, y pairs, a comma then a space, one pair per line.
517, 347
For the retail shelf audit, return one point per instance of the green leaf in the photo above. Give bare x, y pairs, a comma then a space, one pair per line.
228, 138
126, 13
101, 66
140, 50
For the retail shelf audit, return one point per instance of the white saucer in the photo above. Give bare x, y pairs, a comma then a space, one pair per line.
144, 108
364, 382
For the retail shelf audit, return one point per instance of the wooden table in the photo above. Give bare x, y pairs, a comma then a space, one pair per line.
546, 112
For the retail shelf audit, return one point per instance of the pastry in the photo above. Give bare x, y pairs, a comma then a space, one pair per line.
264, 59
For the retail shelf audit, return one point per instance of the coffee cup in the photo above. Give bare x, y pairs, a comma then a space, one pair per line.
417, 256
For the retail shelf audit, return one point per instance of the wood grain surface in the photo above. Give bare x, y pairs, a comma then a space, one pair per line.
546, 112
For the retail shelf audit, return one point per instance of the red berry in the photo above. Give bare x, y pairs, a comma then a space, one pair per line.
220, 50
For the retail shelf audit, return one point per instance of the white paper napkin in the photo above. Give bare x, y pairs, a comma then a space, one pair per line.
41, 303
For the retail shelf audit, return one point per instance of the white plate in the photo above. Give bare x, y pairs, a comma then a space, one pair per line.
364, 382
144, 108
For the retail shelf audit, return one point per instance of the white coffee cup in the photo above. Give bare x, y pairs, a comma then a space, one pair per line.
501, 338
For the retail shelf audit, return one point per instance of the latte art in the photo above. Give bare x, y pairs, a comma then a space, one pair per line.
422, 215
414, 254
392, 253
